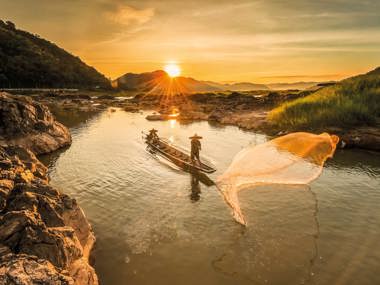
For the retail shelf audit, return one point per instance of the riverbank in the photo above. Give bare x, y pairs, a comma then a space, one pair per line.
45, 237
247, 110
30, 124
350, 108
253, 112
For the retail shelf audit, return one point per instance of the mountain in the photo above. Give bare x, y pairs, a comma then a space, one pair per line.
28, 61
246, 86
296, 85
239, 86
158, 81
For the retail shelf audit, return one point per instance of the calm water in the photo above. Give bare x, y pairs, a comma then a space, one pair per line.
155, 226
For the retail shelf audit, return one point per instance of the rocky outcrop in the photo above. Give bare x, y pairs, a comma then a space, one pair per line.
30, 124
364, 137
24, 269
44, 236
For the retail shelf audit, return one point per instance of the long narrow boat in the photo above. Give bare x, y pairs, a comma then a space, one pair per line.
178, 156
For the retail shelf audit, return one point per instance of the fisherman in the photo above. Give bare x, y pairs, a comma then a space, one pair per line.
195, 147
152, 136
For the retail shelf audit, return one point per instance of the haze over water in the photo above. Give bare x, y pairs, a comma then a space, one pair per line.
153, 226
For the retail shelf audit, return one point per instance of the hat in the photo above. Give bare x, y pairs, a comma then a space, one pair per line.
195, 137
153, 130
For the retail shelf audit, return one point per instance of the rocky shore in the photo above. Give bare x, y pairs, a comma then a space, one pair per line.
249, 112
30, 124
246, 110
45, 237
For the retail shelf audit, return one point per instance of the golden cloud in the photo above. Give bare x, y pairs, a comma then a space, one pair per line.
127, 15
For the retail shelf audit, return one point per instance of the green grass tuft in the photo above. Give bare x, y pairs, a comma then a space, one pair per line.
351, 102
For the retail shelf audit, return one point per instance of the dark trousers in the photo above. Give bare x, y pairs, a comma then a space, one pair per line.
195, 155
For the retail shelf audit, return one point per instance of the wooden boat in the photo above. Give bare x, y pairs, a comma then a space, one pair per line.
178, 156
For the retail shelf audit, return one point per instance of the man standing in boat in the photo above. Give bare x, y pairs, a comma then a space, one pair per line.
195, 148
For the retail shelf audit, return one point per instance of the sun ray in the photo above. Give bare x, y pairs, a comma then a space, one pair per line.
170, 91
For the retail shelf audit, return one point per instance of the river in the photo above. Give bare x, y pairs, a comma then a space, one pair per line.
157, 225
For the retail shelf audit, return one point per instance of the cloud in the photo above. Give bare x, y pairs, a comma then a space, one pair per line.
126, 15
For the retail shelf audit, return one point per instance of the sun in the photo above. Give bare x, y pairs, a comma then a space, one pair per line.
172, 69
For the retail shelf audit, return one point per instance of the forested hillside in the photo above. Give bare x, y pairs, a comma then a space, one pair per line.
28, 61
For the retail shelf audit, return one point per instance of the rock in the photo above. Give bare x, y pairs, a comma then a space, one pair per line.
21, 269
40, 227
155, 117
75, 97
193, 116
201, 97
106, 97
131, 108
216, 115
30, 124
364, 137
6, 186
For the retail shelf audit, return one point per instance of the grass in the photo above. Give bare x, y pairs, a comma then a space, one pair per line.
351, 102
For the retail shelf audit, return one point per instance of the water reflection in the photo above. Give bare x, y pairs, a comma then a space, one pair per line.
71, 117
173, 123
351, 160
142, 213
195, 188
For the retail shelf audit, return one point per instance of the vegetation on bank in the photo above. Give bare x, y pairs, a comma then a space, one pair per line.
351, 102
28, 61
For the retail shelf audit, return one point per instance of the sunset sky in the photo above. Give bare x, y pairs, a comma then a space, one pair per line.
259, 40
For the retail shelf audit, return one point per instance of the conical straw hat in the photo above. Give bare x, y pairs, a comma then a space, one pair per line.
195, 137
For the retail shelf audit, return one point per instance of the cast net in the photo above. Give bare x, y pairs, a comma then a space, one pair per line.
296, 158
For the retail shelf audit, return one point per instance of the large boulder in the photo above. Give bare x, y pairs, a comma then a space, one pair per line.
40, 227
30, 124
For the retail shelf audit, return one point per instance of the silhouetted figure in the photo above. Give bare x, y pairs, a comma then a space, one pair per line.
152, 136
195, 148
195, 188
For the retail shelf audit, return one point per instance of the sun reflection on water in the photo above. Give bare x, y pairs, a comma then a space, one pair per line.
173, 123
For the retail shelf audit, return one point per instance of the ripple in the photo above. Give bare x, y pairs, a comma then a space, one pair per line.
141, 211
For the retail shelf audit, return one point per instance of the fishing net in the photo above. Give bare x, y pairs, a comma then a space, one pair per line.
296, 158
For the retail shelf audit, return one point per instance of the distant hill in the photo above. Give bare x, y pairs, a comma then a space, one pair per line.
28, 61
156, 80
296, 85
159, 80
239, 86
